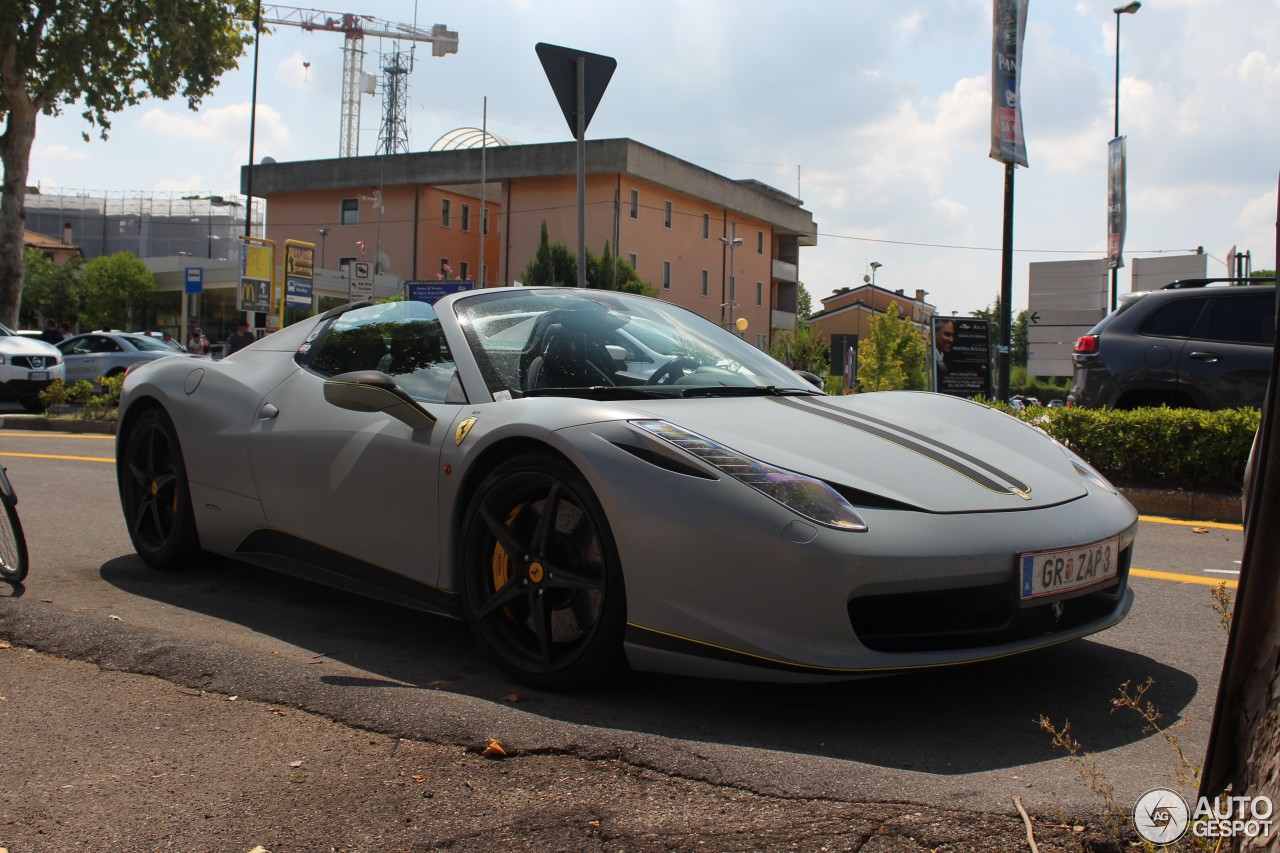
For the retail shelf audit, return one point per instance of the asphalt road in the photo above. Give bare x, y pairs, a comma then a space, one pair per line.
964, 738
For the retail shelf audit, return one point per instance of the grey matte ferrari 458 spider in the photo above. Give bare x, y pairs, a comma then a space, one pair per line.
594, 480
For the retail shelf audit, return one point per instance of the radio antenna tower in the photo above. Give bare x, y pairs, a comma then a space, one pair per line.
393, 137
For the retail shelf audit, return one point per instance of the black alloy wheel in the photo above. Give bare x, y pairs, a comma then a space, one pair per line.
155, 495
540, 576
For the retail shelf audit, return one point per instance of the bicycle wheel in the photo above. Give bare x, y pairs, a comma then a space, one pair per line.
13, 544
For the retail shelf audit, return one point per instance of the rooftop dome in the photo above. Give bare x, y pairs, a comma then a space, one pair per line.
469, 137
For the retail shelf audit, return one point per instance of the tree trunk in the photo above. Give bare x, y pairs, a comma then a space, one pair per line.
15, 154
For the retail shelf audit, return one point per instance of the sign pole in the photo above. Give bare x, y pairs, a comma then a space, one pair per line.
581, 133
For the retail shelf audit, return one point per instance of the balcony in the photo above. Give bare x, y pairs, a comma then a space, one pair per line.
783, 271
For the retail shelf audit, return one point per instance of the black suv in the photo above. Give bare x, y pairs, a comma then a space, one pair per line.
1204, 343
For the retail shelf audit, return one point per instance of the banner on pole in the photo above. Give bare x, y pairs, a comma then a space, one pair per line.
1115, 203
1008, 26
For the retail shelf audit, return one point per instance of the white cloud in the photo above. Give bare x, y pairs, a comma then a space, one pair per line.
60, 152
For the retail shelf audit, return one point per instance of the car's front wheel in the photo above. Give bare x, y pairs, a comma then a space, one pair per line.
540, 575
155, 495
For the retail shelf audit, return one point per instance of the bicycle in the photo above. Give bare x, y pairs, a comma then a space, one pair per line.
13, 542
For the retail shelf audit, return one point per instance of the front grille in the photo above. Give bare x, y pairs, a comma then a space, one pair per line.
35, 362
974, 617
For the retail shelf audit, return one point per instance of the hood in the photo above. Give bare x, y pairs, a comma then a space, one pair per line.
24, 345
931, 451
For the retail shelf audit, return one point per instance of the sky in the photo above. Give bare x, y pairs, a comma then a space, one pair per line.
875, 113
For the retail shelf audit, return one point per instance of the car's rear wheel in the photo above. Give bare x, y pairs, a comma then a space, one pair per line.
155, 495
540, 576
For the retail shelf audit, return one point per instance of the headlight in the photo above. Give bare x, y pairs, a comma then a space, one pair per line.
1085, 470
805, 496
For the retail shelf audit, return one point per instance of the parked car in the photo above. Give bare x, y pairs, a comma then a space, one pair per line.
96, 354
27, 366
498, 459
1204, 343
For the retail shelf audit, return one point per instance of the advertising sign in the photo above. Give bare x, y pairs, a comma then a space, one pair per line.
1115, 203
961, 356
256, 263
430, 291
299, 274
1008, 26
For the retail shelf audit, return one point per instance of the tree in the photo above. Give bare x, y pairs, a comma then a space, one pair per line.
554, 265
801, 348
1017, 333
50, 290
893, 356
103, 57
116, 287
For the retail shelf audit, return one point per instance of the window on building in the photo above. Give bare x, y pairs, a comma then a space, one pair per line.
759, 292
465, 219
631, 259
484, 221
635, 204
706, 226
666, 275
666, 214
446, 208
349, 213
705, 280
759, 242
446, 271
464, 271
733, 288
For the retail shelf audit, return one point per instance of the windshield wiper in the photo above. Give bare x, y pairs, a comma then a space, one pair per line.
601, 392
748, 391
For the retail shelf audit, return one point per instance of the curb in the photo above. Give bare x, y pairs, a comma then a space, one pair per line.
1192, 506
1169, 503
44, 423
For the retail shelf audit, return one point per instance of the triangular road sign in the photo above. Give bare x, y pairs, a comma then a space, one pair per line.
560, 65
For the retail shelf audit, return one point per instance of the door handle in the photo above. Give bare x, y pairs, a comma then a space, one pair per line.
1210, 357
267, 412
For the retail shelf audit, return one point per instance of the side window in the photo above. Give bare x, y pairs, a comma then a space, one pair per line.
445, 209
706, 226
401, 339
1248, 318
1176, 319
635, 204
666, 215
349, 214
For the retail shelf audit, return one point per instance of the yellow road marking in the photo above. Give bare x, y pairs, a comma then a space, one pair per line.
55, 434
56, 456
1181, 578
1216, 525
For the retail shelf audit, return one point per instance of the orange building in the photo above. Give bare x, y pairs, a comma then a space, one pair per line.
58, 251
846, 315
726, 249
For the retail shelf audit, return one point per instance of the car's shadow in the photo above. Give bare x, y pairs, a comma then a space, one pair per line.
959, 719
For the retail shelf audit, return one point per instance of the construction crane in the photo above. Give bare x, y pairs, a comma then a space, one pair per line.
354, 29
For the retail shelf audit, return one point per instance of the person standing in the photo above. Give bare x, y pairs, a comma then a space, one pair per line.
50, 334
241, 339
199, 344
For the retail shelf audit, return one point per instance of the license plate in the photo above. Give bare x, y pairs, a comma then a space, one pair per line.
38, 375
1047, 573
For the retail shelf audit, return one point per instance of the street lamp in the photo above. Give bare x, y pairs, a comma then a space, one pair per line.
732, 244
875, 265
1126, 9
323, 232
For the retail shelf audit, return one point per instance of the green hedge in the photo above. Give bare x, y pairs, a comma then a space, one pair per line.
1156, 448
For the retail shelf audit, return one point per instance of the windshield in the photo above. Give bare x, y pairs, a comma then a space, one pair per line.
547, 341
149, 344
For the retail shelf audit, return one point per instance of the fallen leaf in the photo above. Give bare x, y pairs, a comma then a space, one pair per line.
295, 763
4, 645
513, 697
232, 698
1199, 530
259, 849
494, 749
594, 823
418, 779
114, 618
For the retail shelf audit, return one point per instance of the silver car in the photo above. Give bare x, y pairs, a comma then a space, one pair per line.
97, 354
498, 459
27, 366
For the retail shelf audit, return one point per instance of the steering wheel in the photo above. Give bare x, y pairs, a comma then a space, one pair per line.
672, 370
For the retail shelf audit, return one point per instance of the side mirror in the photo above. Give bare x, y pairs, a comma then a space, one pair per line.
375, 391
812, 378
